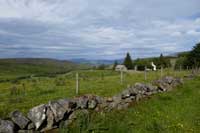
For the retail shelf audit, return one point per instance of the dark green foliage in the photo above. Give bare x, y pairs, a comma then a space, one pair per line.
102, 67
184, 54
115, 64
181, 62
193, 58
141, 63
159, 62
163, 62
128, 61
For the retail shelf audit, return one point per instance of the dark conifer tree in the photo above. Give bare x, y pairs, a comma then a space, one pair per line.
115, 64
194, 56
128, 61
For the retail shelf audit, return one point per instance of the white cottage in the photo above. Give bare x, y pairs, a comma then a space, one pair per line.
120, 68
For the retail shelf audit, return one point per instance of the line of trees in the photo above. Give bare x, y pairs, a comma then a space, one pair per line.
184, 60
189, 59
141, 63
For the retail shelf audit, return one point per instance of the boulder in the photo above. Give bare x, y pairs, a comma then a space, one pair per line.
177, 81
151, 88
168, 79
126, 94
82, 102
82, 115
117, 99
37, 115
61, 108
129, 100
138, 97
102, 107
162, 85
31, 126
19, 119
6, 126
88, 101
92, 104
99, 99
167, 83
140, 88
50, 120
109, 99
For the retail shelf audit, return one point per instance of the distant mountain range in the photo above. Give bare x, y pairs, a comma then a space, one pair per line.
109, 62
95, 62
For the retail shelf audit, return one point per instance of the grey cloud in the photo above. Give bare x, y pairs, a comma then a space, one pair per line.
97, 29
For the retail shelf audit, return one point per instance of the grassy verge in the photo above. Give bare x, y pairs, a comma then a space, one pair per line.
177, 111
28, 93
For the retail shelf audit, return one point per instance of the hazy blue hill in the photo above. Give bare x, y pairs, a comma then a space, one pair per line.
95, 62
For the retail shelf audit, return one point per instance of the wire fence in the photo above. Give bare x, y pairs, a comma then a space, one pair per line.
36, 90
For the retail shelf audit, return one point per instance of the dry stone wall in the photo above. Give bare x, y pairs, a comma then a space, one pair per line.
49, 116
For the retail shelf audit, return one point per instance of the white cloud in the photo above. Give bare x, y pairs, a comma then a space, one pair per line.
88, 27
193, 33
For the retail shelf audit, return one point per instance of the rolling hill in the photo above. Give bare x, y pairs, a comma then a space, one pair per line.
18, 67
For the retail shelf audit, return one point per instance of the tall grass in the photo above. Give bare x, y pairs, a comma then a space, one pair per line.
177, 111
34, 91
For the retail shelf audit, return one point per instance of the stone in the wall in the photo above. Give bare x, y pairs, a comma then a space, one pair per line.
138, 97
64, 111
49, 121
122, 106
19, 119
99, 99
31, 126
162, 85
6, 126
37, 115
177, 81
126, 93
92, 104
82, 102
61, 108
78, 114
141, 88
168, 79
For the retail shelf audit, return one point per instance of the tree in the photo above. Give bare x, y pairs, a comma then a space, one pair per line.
128, 61
163, 61
102, 67
115, 64
193, 58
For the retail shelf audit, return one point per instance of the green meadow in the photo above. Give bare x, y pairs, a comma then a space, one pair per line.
177, 111
26, 93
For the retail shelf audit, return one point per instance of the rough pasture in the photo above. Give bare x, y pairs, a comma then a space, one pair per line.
27, 93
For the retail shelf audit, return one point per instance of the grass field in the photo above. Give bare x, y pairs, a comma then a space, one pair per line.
177, 111
28, 93
11, 69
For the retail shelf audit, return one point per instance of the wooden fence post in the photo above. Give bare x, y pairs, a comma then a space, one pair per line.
161, 72
77, 83
121, 76
145, 73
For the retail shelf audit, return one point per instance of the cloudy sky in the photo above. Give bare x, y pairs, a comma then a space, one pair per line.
97, 29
